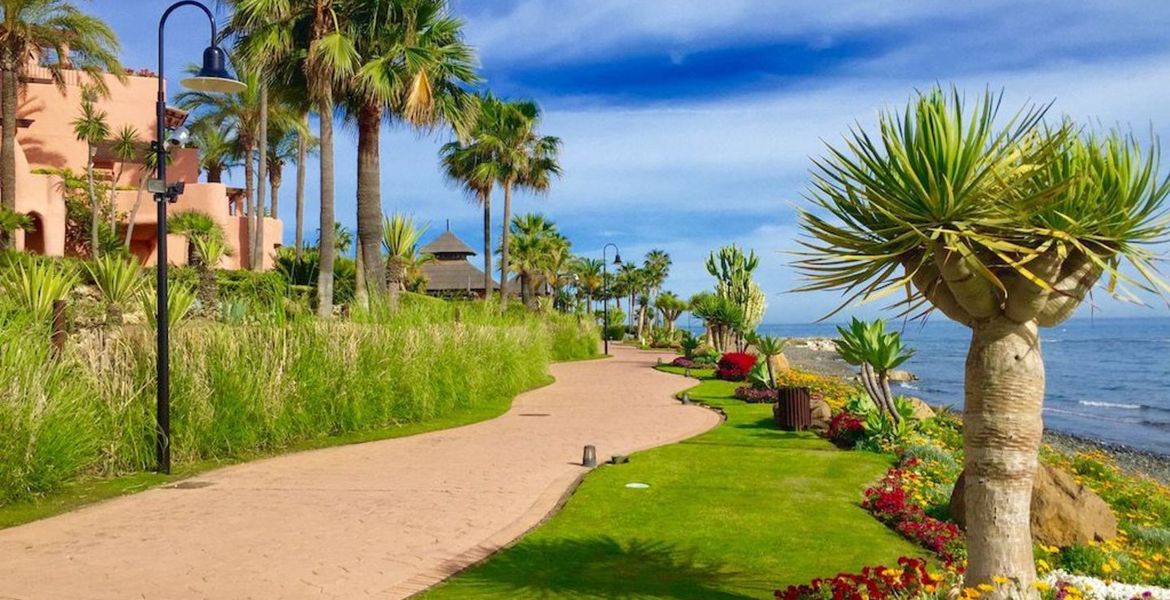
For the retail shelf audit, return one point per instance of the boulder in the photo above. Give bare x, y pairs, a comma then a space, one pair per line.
901, 376
780, 363
922, 411
1064, 512
821, 414
821, 345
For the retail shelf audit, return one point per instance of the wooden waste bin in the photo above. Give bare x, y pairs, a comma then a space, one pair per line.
793, 409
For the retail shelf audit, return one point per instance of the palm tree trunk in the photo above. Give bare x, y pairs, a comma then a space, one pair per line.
114, 197
8, 99
486, 200
250, 200
1002, 428
504, 264
95, 205
275, 179
361, 294
137, 205
325, 273
369, 200
261, 181
526, 289
302, 154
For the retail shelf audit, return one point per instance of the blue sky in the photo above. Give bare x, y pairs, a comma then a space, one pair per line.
690, 124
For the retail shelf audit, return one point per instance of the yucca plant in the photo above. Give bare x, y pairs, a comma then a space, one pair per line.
180, 299
867, 345
400, 239
768, 347
33, 285
119, 280
689, 343
1004, 225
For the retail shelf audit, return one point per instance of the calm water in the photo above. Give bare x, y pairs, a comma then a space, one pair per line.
1108, 379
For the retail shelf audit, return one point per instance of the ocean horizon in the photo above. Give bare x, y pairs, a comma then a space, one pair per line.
1107, 379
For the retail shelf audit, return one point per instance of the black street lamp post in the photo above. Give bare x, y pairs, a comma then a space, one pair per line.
617, 260
213, 77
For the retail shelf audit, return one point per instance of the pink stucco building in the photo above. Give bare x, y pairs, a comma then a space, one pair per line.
45, 140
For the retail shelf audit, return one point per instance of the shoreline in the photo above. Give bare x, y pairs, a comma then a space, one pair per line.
1134, 460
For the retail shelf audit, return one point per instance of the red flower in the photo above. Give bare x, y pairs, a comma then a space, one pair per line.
735, 366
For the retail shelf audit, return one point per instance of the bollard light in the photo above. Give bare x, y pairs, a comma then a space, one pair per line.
589, 458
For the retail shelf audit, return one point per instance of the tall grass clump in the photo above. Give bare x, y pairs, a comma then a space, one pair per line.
240, 390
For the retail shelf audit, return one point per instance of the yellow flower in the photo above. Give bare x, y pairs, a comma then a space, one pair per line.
1043, 565
1106, 568
985, 587
929, 588
1042, 586
970, 593
1000, 580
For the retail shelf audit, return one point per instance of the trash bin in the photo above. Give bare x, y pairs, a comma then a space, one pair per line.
793, 409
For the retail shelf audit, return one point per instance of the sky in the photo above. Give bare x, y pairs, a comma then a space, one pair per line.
689, 124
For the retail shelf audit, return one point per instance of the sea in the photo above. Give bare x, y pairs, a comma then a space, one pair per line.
1107, 379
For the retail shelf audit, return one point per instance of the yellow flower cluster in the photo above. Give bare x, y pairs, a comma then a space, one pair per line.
834, 389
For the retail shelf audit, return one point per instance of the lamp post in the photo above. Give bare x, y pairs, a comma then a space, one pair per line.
213, 77
617, 261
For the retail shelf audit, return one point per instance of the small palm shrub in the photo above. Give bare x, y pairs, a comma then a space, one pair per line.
868, 345
180, 301
689, 344
119, 280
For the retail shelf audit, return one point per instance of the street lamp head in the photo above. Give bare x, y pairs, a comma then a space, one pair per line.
617, 260
214, 77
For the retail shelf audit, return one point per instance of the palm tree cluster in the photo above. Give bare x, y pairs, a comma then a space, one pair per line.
641, 286
736, 307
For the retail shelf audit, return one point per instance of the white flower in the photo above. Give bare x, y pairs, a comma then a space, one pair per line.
1096, 589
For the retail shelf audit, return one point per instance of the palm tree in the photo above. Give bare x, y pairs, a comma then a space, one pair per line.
470, 164
414, 68
1004, 225
125, 147
657, 265
539, 250
589, 279
514, 156
218, 148
92, 128
400, 239
301, 45
630, 280
31, 29
286, 144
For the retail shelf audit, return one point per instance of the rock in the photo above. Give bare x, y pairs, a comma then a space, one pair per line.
922, 411
780, 363
1064, 512
900, 376
820, 345
821, 414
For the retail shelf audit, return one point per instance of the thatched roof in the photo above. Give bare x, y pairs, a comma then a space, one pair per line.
454, 276
448, 243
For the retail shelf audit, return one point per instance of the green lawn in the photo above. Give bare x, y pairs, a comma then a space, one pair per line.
733, 513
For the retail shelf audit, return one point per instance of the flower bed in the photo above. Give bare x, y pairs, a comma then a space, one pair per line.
753, 395
911, 579
683, 362
892, 504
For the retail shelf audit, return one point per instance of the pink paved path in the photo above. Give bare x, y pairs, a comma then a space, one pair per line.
383, 519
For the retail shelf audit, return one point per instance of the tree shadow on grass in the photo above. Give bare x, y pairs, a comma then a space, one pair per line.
603, 567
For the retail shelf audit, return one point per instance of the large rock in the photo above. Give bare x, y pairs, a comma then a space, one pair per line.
922, 411
780, 363
901, 376
821, 413
1064, 512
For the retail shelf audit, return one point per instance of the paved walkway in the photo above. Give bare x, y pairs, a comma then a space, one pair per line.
383, 519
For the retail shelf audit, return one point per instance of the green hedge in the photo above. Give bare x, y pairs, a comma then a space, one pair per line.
238, 390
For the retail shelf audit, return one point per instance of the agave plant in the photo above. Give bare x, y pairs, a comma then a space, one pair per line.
33, 286
118, 279
400, 239
1003, 224
877, 352
689, 344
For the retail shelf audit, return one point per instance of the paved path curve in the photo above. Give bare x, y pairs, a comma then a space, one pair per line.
383, 519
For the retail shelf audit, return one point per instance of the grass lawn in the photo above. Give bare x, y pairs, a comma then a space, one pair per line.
733, 513
87, 491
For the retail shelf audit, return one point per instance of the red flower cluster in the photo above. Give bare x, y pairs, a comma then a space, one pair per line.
889, 502
735, 366
845, 430
873, 583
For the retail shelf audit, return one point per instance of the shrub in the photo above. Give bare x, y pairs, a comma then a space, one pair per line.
683, 362
755, 395
846, 430
735, 366
33, 285
616, 332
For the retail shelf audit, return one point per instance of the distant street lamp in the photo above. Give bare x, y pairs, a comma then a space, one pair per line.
215, 78
617, 261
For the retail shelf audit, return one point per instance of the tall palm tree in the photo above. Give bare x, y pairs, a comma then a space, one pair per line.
414, 68
62, 37
519, 158
589, 279
91, 127
301, 45
125, 147
285, 145
538, 250
470, 165
1003, 225
657, 265
218, 148
629, 281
